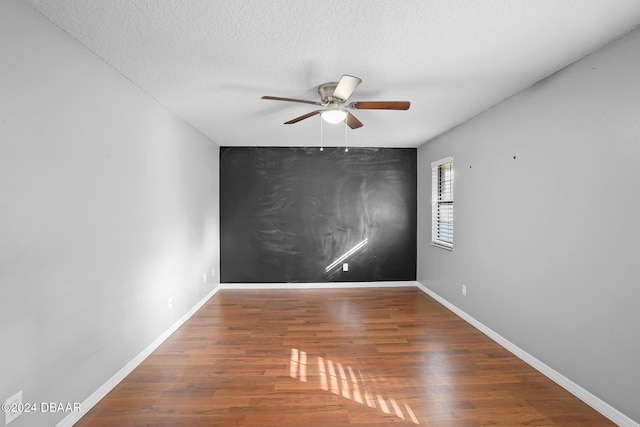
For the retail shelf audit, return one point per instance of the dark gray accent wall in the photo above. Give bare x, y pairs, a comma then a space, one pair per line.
546, 216
287, 214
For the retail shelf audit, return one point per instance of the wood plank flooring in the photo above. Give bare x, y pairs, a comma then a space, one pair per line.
336, 357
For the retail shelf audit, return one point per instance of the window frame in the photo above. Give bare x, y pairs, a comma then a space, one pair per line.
437, 202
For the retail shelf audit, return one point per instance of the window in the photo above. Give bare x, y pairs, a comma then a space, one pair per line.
442, 203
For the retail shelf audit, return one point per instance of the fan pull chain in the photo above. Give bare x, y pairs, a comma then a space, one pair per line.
321, 134
346, 132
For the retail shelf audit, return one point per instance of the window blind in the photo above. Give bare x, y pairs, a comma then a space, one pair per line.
442, 203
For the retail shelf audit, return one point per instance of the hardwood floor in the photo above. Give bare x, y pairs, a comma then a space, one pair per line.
336, 357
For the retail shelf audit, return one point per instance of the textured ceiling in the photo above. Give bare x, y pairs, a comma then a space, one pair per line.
211, 61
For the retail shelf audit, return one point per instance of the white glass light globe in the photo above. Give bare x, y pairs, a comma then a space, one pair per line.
333, 115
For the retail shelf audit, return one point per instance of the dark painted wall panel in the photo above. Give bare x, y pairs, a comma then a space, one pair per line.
287, 214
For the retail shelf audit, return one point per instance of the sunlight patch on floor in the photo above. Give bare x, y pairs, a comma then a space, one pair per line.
345, 381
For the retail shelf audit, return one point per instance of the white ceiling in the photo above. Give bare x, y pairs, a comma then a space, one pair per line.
211, 61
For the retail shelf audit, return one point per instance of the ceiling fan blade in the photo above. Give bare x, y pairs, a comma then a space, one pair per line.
381, 105
346, 86
278, 98
305, 116
352, 121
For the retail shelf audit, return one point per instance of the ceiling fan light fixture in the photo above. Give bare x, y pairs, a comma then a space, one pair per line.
334, 114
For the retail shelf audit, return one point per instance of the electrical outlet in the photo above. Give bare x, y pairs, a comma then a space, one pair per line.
345, 266
204, 278
170, 302
464, 290
13, 407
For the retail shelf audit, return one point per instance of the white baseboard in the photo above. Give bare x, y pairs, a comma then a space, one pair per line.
327, 285
596, 403
90, 402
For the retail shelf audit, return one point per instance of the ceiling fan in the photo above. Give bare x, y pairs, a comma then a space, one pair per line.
333, 100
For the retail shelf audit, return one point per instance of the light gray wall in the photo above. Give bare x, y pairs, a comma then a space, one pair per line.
548, 242
108, 206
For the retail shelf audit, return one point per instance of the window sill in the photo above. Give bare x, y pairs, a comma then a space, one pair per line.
442, 246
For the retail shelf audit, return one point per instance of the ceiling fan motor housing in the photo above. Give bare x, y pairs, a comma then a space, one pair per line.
326, 90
